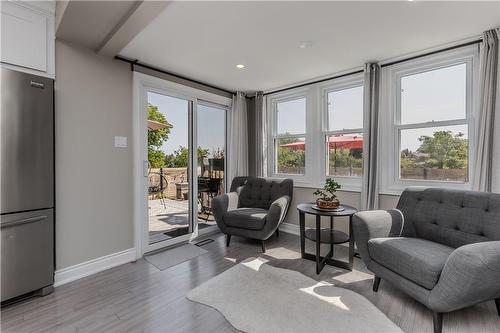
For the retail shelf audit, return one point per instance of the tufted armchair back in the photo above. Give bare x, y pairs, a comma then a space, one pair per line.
450, 217
260, 192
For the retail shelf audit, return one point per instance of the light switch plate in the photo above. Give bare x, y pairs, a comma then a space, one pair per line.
120, 142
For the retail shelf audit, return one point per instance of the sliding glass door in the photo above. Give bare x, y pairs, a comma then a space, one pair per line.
211, 138
170, 200
181, 161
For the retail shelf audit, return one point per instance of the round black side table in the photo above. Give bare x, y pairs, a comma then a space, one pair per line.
325, 236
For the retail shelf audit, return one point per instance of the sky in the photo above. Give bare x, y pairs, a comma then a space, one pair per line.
436, 95
211, 123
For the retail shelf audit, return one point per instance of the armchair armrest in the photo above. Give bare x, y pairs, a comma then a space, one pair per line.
471, 275
276, 215
223, 203
374, 224
278, 209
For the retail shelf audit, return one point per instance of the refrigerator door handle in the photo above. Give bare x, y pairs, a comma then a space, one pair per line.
23, 221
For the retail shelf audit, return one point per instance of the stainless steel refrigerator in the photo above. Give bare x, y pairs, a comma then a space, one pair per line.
27, 184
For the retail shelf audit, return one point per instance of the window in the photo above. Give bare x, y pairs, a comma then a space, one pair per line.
434, 95
425, 129
317, 132
344, 133
434, 153
427, 151
431, 116
289, 136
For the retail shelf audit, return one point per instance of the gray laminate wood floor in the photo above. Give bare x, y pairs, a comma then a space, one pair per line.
137, 297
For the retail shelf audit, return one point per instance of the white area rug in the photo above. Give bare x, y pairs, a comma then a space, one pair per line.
255, 297
171, 257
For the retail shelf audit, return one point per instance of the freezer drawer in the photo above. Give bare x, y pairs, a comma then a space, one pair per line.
27, 252
27, 142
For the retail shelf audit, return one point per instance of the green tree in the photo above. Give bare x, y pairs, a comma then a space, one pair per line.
218, 153
288, 157
179, 158
408, 159
344, 157
202, 153
443, 150
156, 156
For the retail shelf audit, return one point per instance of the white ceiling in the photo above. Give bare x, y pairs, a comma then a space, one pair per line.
205, 41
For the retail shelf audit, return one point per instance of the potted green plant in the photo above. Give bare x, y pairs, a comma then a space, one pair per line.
327, 197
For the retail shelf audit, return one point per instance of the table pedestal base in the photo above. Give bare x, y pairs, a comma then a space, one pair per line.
321, 261
327, 260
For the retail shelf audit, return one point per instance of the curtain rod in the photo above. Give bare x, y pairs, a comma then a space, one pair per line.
313, 82
477, 41
137, 63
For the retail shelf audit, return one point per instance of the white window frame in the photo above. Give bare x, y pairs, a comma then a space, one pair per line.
316, 116
390, 112
273, 101
348, 183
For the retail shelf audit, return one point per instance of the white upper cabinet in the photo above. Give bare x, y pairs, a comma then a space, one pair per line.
27, 36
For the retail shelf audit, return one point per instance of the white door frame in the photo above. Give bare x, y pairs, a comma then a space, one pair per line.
142, 84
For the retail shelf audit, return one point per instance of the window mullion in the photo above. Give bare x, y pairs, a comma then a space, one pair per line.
286, 136
344, 131
432, 124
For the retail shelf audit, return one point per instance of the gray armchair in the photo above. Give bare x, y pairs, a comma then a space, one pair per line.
440, 246
254, 207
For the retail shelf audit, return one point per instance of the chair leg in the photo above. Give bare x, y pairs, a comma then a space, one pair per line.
228, 239
437, 321
263, 246
278, 233
497, 303
376, 283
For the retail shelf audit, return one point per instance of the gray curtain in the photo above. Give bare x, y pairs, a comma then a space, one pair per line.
495, 187
488, 62
238, 138
369, 188
260, 135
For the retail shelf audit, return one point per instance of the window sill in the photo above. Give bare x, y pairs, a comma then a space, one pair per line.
314, 186
303, 182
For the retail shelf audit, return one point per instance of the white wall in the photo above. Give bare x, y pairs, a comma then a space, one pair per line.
94, 180
301, 194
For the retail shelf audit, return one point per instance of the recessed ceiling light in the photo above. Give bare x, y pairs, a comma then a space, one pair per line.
240, 66
305, 44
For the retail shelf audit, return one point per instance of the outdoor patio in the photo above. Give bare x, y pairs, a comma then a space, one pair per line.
171, 220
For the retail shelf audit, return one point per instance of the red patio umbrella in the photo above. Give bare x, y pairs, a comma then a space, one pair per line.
334, 142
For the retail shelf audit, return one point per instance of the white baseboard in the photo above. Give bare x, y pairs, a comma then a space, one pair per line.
93, 266
290, 228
